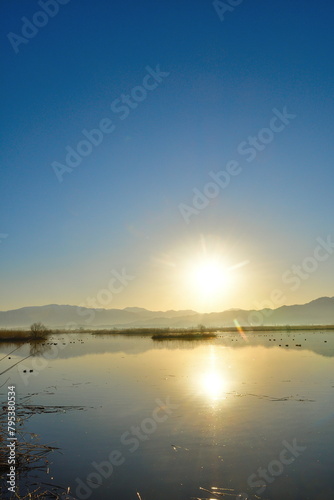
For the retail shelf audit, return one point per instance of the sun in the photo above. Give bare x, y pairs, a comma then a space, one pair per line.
206, 274
209, 277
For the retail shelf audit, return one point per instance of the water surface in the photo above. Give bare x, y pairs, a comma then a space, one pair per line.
180, 420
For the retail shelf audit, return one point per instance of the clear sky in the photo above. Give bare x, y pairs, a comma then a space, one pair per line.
199, 83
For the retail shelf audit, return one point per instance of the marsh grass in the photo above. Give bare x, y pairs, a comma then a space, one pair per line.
22, 336
15, 335
25, 335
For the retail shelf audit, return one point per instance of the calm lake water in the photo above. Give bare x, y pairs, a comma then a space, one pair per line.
177, 420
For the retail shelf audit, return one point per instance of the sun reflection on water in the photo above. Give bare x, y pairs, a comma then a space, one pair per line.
213, 382
213, 385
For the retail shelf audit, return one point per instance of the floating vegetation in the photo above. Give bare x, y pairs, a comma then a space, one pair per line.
183, 336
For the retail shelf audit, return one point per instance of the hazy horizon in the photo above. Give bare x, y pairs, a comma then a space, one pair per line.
164, 310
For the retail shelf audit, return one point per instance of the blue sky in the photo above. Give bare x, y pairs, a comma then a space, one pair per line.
120, 207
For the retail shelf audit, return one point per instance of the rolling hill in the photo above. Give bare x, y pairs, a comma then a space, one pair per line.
319, 312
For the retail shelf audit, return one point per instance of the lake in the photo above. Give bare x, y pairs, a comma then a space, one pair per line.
232, 417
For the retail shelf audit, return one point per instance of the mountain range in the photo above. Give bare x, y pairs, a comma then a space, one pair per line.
316, 312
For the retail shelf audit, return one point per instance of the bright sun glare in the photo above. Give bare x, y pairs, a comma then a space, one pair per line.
208, 274
213, 385
213, 382
209, 277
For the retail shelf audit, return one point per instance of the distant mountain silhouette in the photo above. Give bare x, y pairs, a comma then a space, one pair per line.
319, 312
